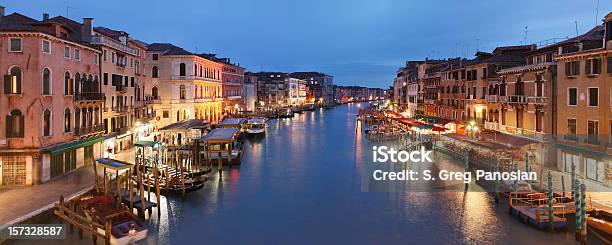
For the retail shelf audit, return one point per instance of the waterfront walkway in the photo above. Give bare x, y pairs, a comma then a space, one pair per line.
21, 203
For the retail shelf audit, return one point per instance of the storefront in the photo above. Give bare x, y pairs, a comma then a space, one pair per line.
588, 164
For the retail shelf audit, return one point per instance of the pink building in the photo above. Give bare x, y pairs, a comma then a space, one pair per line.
51, 100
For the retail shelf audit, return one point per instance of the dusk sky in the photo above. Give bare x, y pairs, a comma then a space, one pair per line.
359, 42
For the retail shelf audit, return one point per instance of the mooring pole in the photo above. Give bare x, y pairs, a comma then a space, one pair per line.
515, 184
551, 214
583, 218
497, 182
577, 206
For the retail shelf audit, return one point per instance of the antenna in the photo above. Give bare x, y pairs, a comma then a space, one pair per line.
597, 13
477, 45
68, 8
576, 24
526, 30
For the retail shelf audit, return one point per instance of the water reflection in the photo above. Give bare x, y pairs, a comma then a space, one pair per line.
302, 184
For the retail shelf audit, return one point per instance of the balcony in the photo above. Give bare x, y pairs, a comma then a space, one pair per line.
517, 99
89, 96
100, 40
120, 130
492, 126
120, 65
205, 99
120, 109
537, 100
491, 98
83, 131
592, 139
535, 135
570, 137
121, 88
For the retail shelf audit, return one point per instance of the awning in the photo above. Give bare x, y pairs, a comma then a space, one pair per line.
74, 145
146, 143
114, 164
438, 129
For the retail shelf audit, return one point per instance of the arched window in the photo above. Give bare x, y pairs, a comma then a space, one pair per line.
67, 84
12, 82
154, 72
14, 124
46, 81
47, 122
195, 69
77, 82
67, 120
154, 93
195, 94
183, 92
200, 71
182, 70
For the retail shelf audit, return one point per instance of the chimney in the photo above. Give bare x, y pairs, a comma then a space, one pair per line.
87, 30
1, 12
608, 31
45, 16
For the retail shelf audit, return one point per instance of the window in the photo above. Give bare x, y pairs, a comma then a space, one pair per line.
182, 70
572, 96
571, 127
593, 96
77, 54
12, 82
592, 66
67, 52
154, 93
46, 47
592, 131
67, 120
46, 81
113, 57
609, 64
155, 57
96, 59
14, 124
183, 92
154, 72
572, 68
104, 55
47, 123
14, 44
105, 78
132, 82
67, 84
166, 114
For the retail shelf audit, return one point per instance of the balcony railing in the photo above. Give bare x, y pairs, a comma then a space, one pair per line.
492, 126
517, 99
82, 131
540, 136
537, 100
121, 88
570, 137
89, 96
100, 40
120, 108
491, 98
593, 140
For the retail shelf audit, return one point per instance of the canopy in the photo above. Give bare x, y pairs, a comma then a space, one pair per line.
114, 164
221, 135
74, 145
147, 143
186, 125
231, 122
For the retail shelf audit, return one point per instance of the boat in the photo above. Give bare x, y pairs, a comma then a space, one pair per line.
524, 209
600, 224
125, 227
256, 125
222, 146
285, 113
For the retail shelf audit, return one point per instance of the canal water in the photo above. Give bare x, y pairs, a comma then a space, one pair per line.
302, 184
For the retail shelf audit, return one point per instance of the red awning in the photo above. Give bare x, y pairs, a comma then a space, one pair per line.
438, 129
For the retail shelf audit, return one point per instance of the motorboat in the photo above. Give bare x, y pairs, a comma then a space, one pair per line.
256, 125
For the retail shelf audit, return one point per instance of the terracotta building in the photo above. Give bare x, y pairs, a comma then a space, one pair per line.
51, 98
185, 85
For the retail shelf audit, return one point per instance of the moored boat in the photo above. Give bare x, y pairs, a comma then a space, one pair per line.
600, 224
285, 113
256, 125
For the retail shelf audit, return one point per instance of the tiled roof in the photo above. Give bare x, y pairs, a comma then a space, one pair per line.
306, 74
110, 32
167, 49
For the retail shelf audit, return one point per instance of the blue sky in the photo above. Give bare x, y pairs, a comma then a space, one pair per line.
359, 42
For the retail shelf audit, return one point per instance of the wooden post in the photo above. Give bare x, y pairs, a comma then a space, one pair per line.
577, 206
118, 186
182, 182
106, 184
541, 174
142, 201
551, 215
107, 233
157, 191
96, 187
563, 185
130, 191
583, 218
